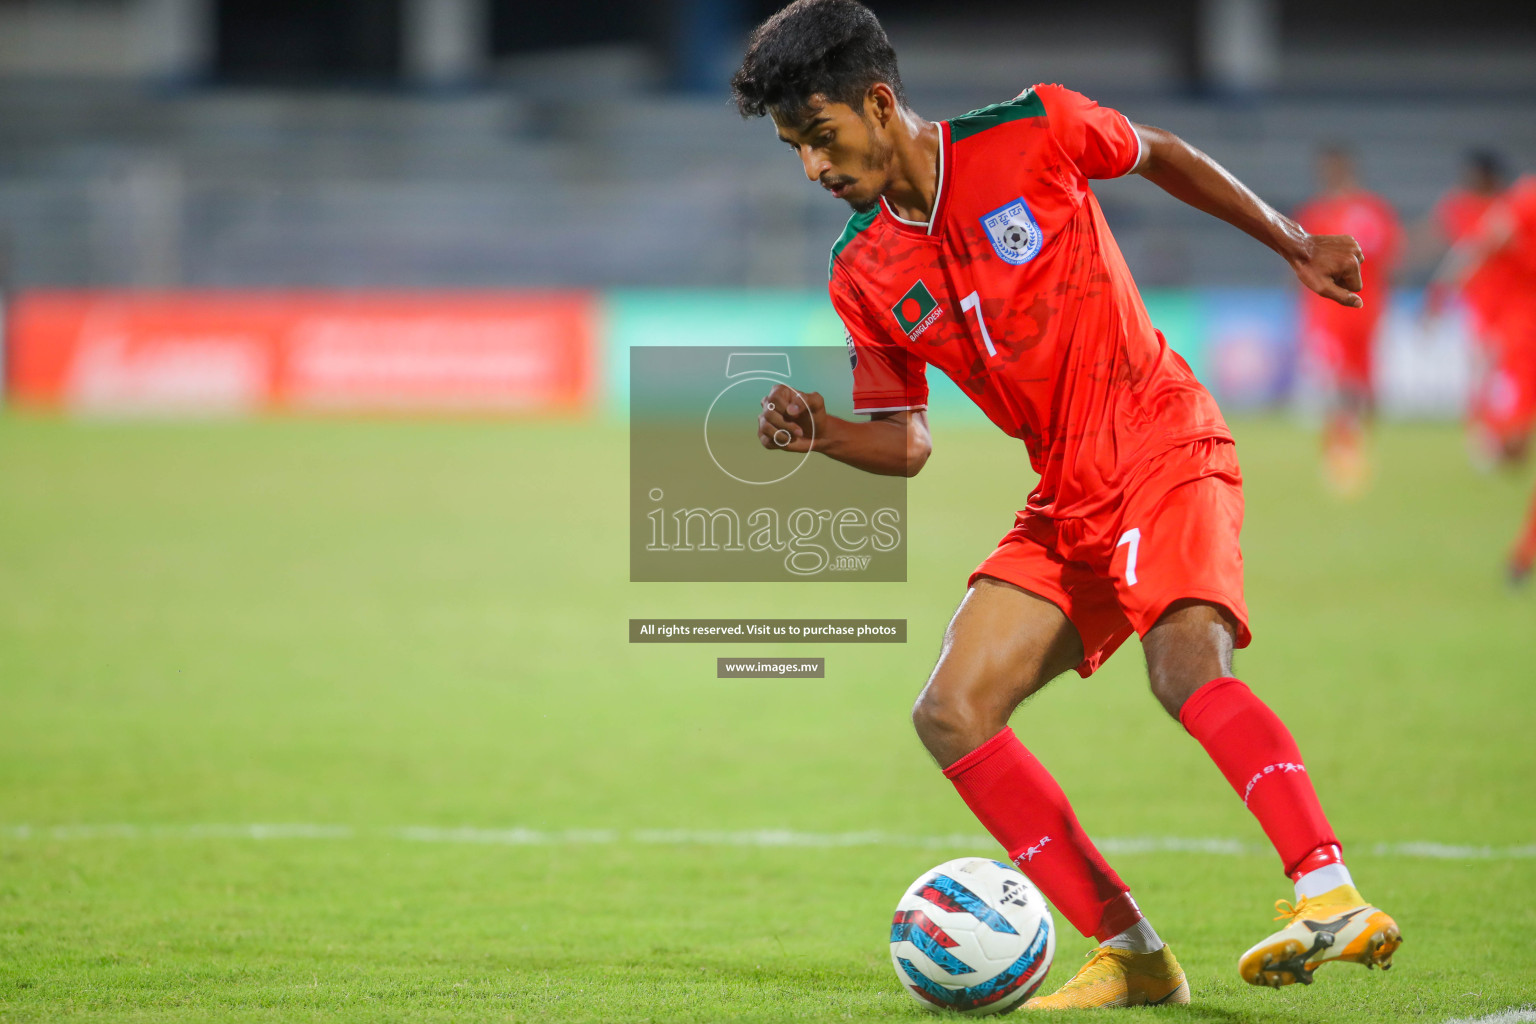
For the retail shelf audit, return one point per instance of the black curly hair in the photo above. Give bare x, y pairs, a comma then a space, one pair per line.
835, 48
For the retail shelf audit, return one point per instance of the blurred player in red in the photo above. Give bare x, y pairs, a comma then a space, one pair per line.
1456, 217
1489, 294
1504, 242
977, 246
1340, 338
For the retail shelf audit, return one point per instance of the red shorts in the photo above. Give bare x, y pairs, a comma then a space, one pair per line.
1173, 535
1505, 407
1345, 348
1505, 404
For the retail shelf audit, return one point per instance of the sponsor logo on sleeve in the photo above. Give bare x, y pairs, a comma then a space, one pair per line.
1016, 238
853, 351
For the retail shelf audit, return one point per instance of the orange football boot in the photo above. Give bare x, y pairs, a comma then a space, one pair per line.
1336, 925
1118, 977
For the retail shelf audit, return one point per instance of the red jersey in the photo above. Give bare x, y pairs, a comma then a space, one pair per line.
1373, 224
1517, 310
1511, 404
1016, 290
1519, 205
1459, 213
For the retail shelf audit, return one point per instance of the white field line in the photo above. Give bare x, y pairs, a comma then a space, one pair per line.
696, 837
1522, 1015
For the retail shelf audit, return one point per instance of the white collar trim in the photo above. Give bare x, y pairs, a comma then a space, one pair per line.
938, 192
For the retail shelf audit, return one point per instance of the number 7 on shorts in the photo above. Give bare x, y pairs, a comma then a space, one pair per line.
1133, 538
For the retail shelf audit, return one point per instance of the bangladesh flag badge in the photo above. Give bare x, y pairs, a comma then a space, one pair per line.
916, 310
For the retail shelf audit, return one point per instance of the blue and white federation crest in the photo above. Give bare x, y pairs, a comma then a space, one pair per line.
1016, 238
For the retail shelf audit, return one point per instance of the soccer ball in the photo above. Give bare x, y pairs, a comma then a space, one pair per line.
972, 935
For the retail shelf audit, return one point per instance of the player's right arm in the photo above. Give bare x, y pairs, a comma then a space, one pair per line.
891, 443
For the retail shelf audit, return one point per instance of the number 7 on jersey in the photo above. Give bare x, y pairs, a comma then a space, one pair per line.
973, 301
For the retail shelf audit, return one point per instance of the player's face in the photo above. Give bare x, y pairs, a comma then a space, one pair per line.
841, 149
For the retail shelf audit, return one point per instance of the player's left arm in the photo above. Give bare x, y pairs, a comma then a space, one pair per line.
1327, 264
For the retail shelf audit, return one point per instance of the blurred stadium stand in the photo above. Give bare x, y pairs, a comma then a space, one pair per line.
430, 143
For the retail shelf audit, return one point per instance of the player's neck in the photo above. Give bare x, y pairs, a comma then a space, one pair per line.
914, 186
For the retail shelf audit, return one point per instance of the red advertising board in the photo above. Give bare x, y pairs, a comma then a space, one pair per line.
234, 352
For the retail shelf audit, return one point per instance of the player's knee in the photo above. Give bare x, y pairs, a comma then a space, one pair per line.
1175, 674
931, 716
1190, 645
953, 724
1171, 689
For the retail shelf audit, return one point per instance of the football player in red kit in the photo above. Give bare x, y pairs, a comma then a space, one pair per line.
1456, 218
1340, 338
1505, 239
1492, 292
977, 246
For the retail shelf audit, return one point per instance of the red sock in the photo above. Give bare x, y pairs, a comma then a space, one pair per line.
1021, 805
1256, 753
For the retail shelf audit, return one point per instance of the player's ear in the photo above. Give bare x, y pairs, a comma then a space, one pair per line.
880, 104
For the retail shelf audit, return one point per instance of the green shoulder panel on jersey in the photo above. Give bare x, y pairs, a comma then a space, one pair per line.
858, 222
978, 121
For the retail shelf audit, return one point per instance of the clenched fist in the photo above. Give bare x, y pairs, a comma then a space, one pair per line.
791, 420
1330, 266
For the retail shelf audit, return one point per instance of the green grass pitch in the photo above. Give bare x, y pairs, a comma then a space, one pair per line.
390, 632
